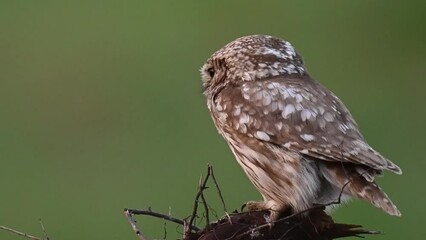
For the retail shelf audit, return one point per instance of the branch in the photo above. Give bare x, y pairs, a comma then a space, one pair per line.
132, 221
26, 235
312, 223
250, 225
167, 217
201, 188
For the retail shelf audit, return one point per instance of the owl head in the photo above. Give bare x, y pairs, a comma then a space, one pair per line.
250, 58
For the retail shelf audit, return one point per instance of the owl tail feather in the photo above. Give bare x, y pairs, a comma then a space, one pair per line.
371, 192
356, 185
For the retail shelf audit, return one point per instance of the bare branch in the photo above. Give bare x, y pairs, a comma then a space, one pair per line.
132, 222
20, 233
315, 223
206, 207
217, 187
167, 217
201, 188
44, 230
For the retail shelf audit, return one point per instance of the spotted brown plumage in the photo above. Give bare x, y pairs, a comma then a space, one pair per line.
295, 140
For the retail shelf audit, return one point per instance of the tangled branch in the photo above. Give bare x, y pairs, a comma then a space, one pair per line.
312, 223
26, 235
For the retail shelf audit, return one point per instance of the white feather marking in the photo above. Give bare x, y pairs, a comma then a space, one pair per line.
266, 98
262, 136
289, 109
328, 117
299, 98
237, 111
304, 151
305, 114
307, 137
244, 118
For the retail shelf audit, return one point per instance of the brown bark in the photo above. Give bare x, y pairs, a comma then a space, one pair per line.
316, 225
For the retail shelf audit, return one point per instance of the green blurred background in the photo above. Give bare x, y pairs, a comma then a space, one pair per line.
101, 106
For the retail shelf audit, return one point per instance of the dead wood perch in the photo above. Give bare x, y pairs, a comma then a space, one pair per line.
252, 225
311, 224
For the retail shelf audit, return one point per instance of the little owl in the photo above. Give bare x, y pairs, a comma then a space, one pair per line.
296, 141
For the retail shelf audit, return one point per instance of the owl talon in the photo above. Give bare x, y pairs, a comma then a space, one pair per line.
256, 206
273, 216
271, 206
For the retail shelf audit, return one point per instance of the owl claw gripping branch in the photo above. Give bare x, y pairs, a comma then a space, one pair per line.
295, 140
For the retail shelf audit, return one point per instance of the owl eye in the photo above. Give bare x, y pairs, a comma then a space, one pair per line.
211, 72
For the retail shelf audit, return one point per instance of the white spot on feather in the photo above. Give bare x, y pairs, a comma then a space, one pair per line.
223, 116
290, 69
280, 105
299, 98
328, 117
307, 137
290, 50
271, 51
305, 151
243, 128
266, 98
219, 107
262, 136
259, 95
287, 144
289, 109
299, 107
353, 152
298, 128
305, 114
237, 111
244, 118
246, 76
342, 128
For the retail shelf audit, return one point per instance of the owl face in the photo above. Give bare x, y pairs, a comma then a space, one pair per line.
251, 58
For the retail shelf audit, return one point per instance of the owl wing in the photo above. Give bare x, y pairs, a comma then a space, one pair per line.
299, 115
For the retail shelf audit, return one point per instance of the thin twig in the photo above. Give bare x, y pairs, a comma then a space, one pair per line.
43, 229
197, 197
132, 222
20, 233
165, 222
206, 207
165, 230
149, 212
187, 226
217, 187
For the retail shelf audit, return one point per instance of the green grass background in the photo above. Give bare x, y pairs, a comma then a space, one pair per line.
101, 106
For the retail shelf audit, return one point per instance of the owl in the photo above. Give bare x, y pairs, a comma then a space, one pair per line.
296, 141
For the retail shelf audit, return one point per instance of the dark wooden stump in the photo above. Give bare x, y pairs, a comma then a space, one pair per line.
315, 225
